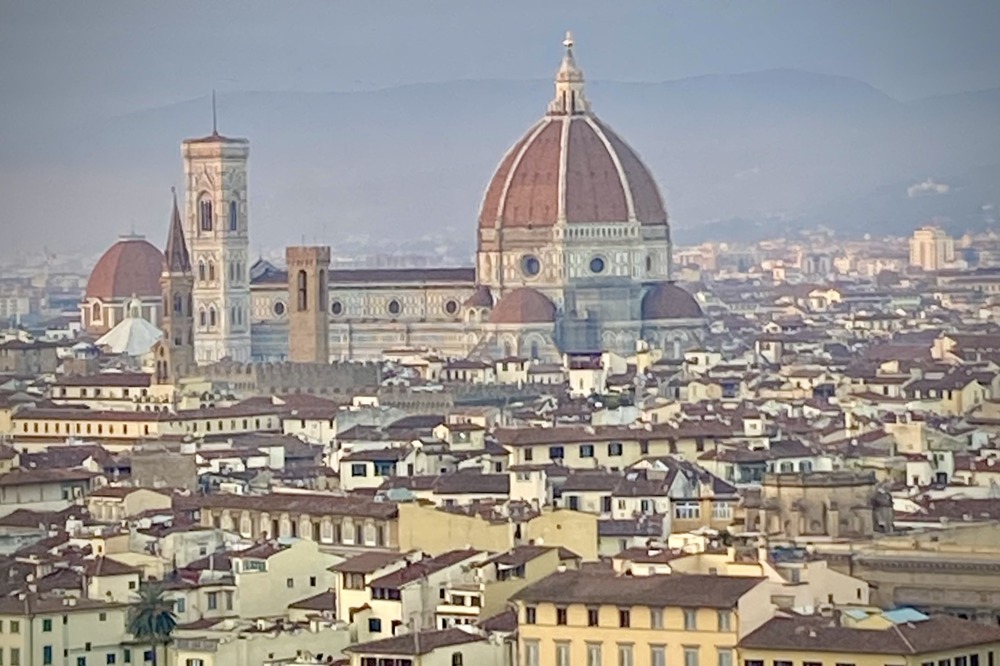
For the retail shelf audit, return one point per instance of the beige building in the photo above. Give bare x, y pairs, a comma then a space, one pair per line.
269, 577
437, 531
837, 504
931, 249
116, 503
354, 575
56, 425
505, 574
43, 489
346, 523
258, 643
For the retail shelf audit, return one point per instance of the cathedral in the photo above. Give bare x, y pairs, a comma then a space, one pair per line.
573, 254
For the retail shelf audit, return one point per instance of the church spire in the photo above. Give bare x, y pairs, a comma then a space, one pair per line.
569, 99
178, 259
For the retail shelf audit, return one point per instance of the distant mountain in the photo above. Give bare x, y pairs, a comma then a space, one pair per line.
406, 167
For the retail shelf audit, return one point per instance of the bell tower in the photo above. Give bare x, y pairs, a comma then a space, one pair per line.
308, 319
174, 354
218, 233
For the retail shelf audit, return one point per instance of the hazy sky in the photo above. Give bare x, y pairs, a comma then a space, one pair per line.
68, 63
61, 62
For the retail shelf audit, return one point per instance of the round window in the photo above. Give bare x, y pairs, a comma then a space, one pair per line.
451, 307
530, 265
278, 308
597, 265
336, 308
394, 307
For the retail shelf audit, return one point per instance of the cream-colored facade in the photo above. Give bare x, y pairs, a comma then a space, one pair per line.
49, 630
248, 644
505, 574
267, 585
346, 524
115, 504
931, 249
57, 425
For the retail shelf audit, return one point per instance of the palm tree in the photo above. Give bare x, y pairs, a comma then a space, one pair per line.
152, 618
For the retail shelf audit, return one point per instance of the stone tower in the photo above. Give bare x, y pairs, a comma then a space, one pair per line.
175, 352
308, 319
217, 229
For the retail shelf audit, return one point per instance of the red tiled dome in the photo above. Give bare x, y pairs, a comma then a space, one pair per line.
570, 167
523, 306
133, 265
665, 300
581, 173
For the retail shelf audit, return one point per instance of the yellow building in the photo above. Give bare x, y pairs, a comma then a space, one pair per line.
437, 531
598, 617
911, 640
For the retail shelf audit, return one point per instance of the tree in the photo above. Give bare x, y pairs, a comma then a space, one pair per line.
152, 618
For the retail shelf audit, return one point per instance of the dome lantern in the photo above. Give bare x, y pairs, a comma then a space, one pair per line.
569, 99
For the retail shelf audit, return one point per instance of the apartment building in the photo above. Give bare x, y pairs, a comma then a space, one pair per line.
595, 618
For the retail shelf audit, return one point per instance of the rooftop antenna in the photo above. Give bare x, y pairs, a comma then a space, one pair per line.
215, 117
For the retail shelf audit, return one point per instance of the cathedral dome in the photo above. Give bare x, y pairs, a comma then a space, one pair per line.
132, 266
570, 167
665, 300
523, 306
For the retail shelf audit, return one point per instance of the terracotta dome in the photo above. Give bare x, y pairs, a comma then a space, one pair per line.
665, 300
480, 298
133, 265
523, 306
571, 167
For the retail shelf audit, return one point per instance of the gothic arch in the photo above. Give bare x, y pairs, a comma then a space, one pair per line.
205, 212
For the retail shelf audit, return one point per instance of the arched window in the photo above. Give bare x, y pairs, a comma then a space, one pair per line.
95, 313
302, 290
211, 271
201, 271
202, 320
232, 216
178, 304
205, 213
534, 350
211, 317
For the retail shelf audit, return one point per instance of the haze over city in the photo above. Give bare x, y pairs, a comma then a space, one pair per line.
377, 125
548, 333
